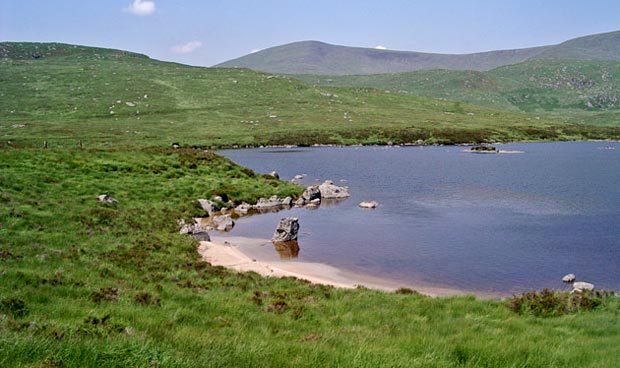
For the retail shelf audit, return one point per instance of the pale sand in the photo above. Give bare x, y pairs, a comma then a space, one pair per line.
226, 252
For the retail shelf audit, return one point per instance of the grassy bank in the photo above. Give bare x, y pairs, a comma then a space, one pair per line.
83, 283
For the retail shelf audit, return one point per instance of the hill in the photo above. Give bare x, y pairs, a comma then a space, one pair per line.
541, 86
87, 95
313, 57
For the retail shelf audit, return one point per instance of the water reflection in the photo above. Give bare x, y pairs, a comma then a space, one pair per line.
287, 250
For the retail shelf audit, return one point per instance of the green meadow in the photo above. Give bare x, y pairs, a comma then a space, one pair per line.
90, 284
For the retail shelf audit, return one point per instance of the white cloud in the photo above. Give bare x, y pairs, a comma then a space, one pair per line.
253, 51
380, 47
141, 7
186, 48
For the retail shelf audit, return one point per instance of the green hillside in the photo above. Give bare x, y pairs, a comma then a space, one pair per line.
116, 98
571, 89
313, 57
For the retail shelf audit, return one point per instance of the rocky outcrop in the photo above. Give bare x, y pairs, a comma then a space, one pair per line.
331, 191
569, 278
287, 230
274, 174
106, 199
369, 204
223, 223
207, 205
199, 233
581, 286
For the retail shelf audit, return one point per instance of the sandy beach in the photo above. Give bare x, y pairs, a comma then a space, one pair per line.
226, 252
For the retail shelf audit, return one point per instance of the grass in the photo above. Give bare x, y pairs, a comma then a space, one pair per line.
107, 98
562, 88
90, 284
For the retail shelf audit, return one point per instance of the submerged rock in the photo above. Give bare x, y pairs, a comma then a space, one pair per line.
331, 191
369, 204
569, 278
287, 230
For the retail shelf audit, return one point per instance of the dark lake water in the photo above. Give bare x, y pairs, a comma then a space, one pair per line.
480, 222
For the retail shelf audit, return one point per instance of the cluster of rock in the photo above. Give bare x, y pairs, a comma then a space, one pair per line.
314, 194
579, 285
221, 218
195, 230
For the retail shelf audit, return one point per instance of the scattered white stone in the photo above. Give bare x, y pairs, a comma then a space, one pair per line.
569, 278
18, 126
581, 286
369, 204
106, 199
130, 104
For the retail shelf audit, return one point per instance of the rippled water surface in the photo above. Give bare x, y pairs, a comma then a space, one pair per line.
481, 222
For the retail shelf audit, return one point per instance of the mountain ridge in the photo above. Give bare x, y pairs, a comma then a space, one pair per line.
320, 58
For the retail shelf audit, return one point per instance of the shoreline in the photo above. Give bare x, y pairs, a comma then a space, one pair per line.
227, 253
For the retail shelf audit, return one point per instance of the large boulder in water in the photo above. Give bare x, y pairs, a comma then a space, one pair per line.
331, 191
287, 230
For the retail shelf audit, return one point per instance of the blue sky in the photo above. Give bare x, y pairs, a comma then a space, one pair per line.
205, 32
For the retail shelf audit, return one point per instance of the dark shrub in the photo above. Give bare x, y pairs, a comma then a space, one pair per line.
548, 303
14, 307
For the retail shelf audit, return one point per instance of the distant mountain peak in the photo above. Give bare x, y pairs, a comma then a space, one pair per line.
317, 57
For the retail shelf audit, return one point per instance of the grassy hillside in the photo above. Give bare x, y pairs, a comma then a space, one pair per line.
90, 284
116, 99
313, 57
567, 88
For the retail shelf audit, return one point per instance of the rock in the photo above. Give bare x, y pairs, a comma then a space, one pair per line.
275, 174
196, 231
243, 208
369, 204
272, 202
176, 146
298, 177
218, 198
300, 202
311, 193
581, 286
569, 278
130, 104
208, 206
287, 201
287, 230
106, 199
331, 191
223, 223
